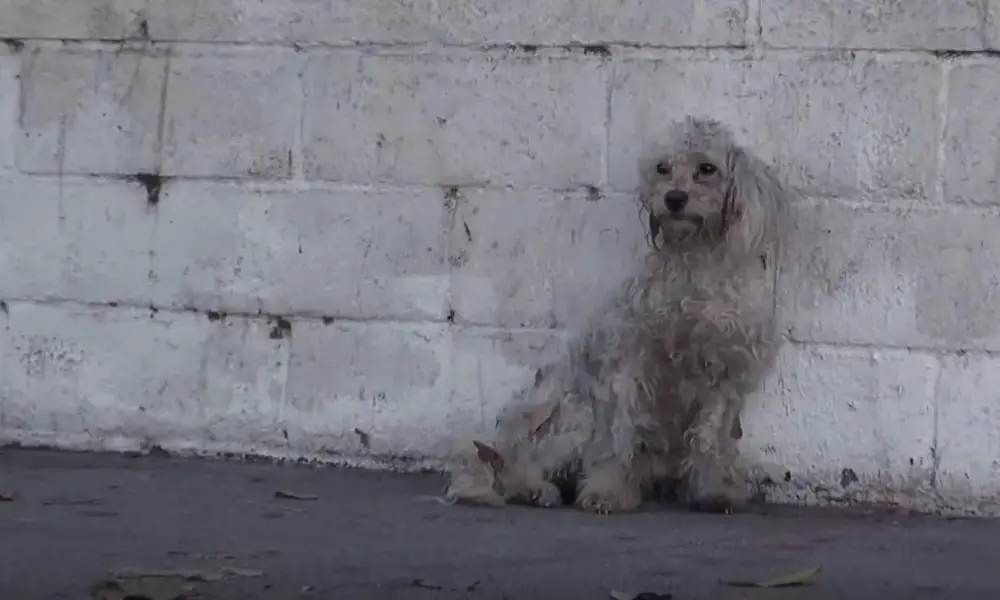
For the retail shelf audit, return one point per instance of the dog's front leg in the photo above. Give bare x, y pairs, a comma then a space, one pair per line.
530, 486
607, 488
610, 482
711, 480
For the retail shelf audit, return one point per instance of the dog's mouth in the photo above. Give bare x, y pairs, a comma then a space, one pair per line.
683, 217
674, 227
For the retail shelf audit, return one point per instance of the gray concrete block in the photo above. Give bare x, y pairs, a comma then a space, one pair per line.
232, 113
10, 91
992, 24
834, 127
401, 385
243, 382
98, 377
968, 446
450, 121
666, 23
489, 367
79, 240
522, 259
971, 169
344, 253
114, 378
845, 423
387, 380
887, 277
868, 24
90, 112
54, 19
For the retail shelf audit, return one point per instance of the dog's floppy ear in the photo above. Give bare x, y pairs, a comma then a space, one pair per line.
654, 230
645, 201
489, 456
646, 207
753, 202
732, 204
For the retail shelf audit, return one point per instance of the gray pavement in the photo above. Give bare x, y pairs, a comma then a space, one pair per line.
106, 526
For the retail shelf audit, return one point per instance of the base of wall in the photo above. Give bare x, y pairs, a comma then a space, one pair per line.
768, 482
850, 489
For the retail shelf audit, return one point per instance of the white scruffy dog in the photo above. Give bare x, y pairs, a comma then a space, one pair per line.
655, 388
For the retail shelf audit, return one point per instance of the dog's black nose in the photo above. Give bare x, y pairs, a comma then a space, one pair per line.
675, 200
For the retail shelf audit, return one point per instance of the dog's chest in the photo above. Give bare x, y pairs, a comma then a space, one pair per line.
707, 296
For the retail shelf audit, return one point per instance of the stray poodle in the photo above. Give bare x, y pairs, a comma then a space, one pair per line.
654, 389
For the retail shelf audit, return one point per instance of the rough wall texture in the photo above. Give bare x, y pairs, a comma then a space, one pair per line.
344, 229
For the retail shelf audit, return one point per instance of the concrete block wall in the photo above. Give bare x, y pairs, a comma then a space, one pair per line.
348, 230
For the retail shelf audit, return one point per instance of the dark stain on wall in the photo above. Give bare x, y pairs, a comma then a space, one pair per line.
281, 328
153, 184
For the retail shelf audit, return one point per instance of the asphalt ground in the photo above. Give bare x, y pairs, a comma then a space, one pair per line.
164, 528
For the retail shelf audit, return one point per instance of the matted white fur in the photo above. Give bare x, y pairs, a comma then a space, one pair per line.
655, 387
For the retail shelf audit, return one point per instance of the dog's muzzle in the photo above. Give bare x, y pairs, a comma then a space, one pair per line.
676, 200
673, 227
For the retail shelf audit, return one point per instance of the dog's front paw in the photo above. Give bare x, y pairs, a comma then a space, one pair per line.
545, 495
605, 502
720, 503
714, 489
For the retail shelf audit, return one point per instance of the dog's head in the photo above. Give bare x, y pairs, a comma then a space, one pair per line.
702, 190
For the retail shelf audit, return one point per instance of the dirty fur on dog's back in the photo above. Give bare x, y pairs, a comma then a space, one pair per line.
655, 387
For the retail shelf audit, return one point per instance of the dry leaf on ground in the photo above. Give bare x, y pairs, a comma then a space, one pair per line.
797, 578
73, 502
143, 590
294, 495
224, 555
186, 574
616, 595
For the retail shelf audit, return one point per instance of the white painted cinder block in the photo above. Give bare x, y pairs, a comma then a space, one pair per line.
75, 240
87, 112
835, 126
971, 172
387, 381
841, 424
968, 447
352, 230
491, 366
232, 113
455, 121
884, 276
338, 253
104, 378
10, 68
866, 24
54, 19
539, 259
125, 378
993, 25
394, 390
663, 23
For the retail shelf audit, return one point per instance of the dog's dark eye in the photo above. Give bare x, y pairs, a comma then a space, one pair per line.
662, 168
706, 168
